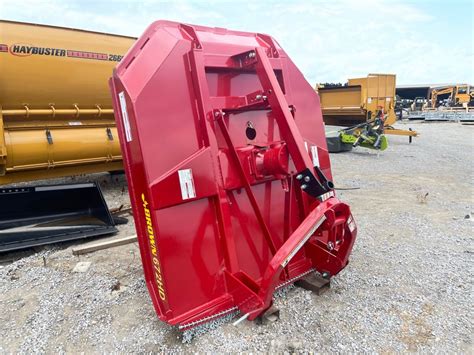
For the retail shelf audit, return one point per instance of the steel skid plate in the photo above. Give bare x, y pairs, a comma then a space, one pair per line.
228, 170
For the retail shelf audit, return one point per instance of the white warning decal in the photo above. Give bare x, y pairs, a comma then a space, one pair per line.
315, 155
327, 195
186, 182
126, 122
351, 223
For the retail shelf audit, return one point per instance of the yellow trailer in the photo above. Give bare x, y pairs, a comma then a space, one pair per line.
56, 116
361, 100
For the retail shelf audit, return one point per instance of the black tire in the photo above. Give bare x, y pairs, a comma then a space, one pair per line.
336, 146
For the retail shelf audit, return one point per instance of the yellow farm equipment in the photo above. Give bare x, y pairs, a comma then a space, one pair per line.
361, 100
452, 96
56, 116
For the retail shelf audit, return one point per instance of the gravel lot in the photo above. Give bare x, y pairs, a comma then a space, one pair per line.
408, 286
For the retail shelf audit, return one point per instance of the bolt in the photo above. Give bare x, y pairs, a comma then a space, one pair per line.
299, 177
307, 178
216, 114
304, 186
258, 97
326, 275
330, 245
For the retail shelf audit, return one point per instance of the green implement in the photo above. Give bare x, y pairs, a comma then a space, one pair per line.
368, 134
364, 141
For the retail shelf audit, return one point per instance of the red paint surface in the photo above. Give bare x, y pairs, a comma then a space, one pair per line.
191, 93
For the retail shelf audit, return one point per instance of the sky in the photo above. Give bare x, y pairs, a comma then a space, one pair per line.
330, 41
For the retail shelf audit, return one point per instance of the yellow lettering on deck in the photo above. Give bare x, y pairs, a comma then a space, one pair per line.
153, 249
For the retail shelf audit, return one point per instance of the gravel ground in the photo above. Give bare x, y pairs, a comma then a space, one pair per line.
408, 286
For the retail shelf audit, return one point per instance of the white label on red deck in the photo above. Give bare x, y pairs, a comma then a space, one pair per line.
327, 195
186, 182
315, 155
126, 122
351, 224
